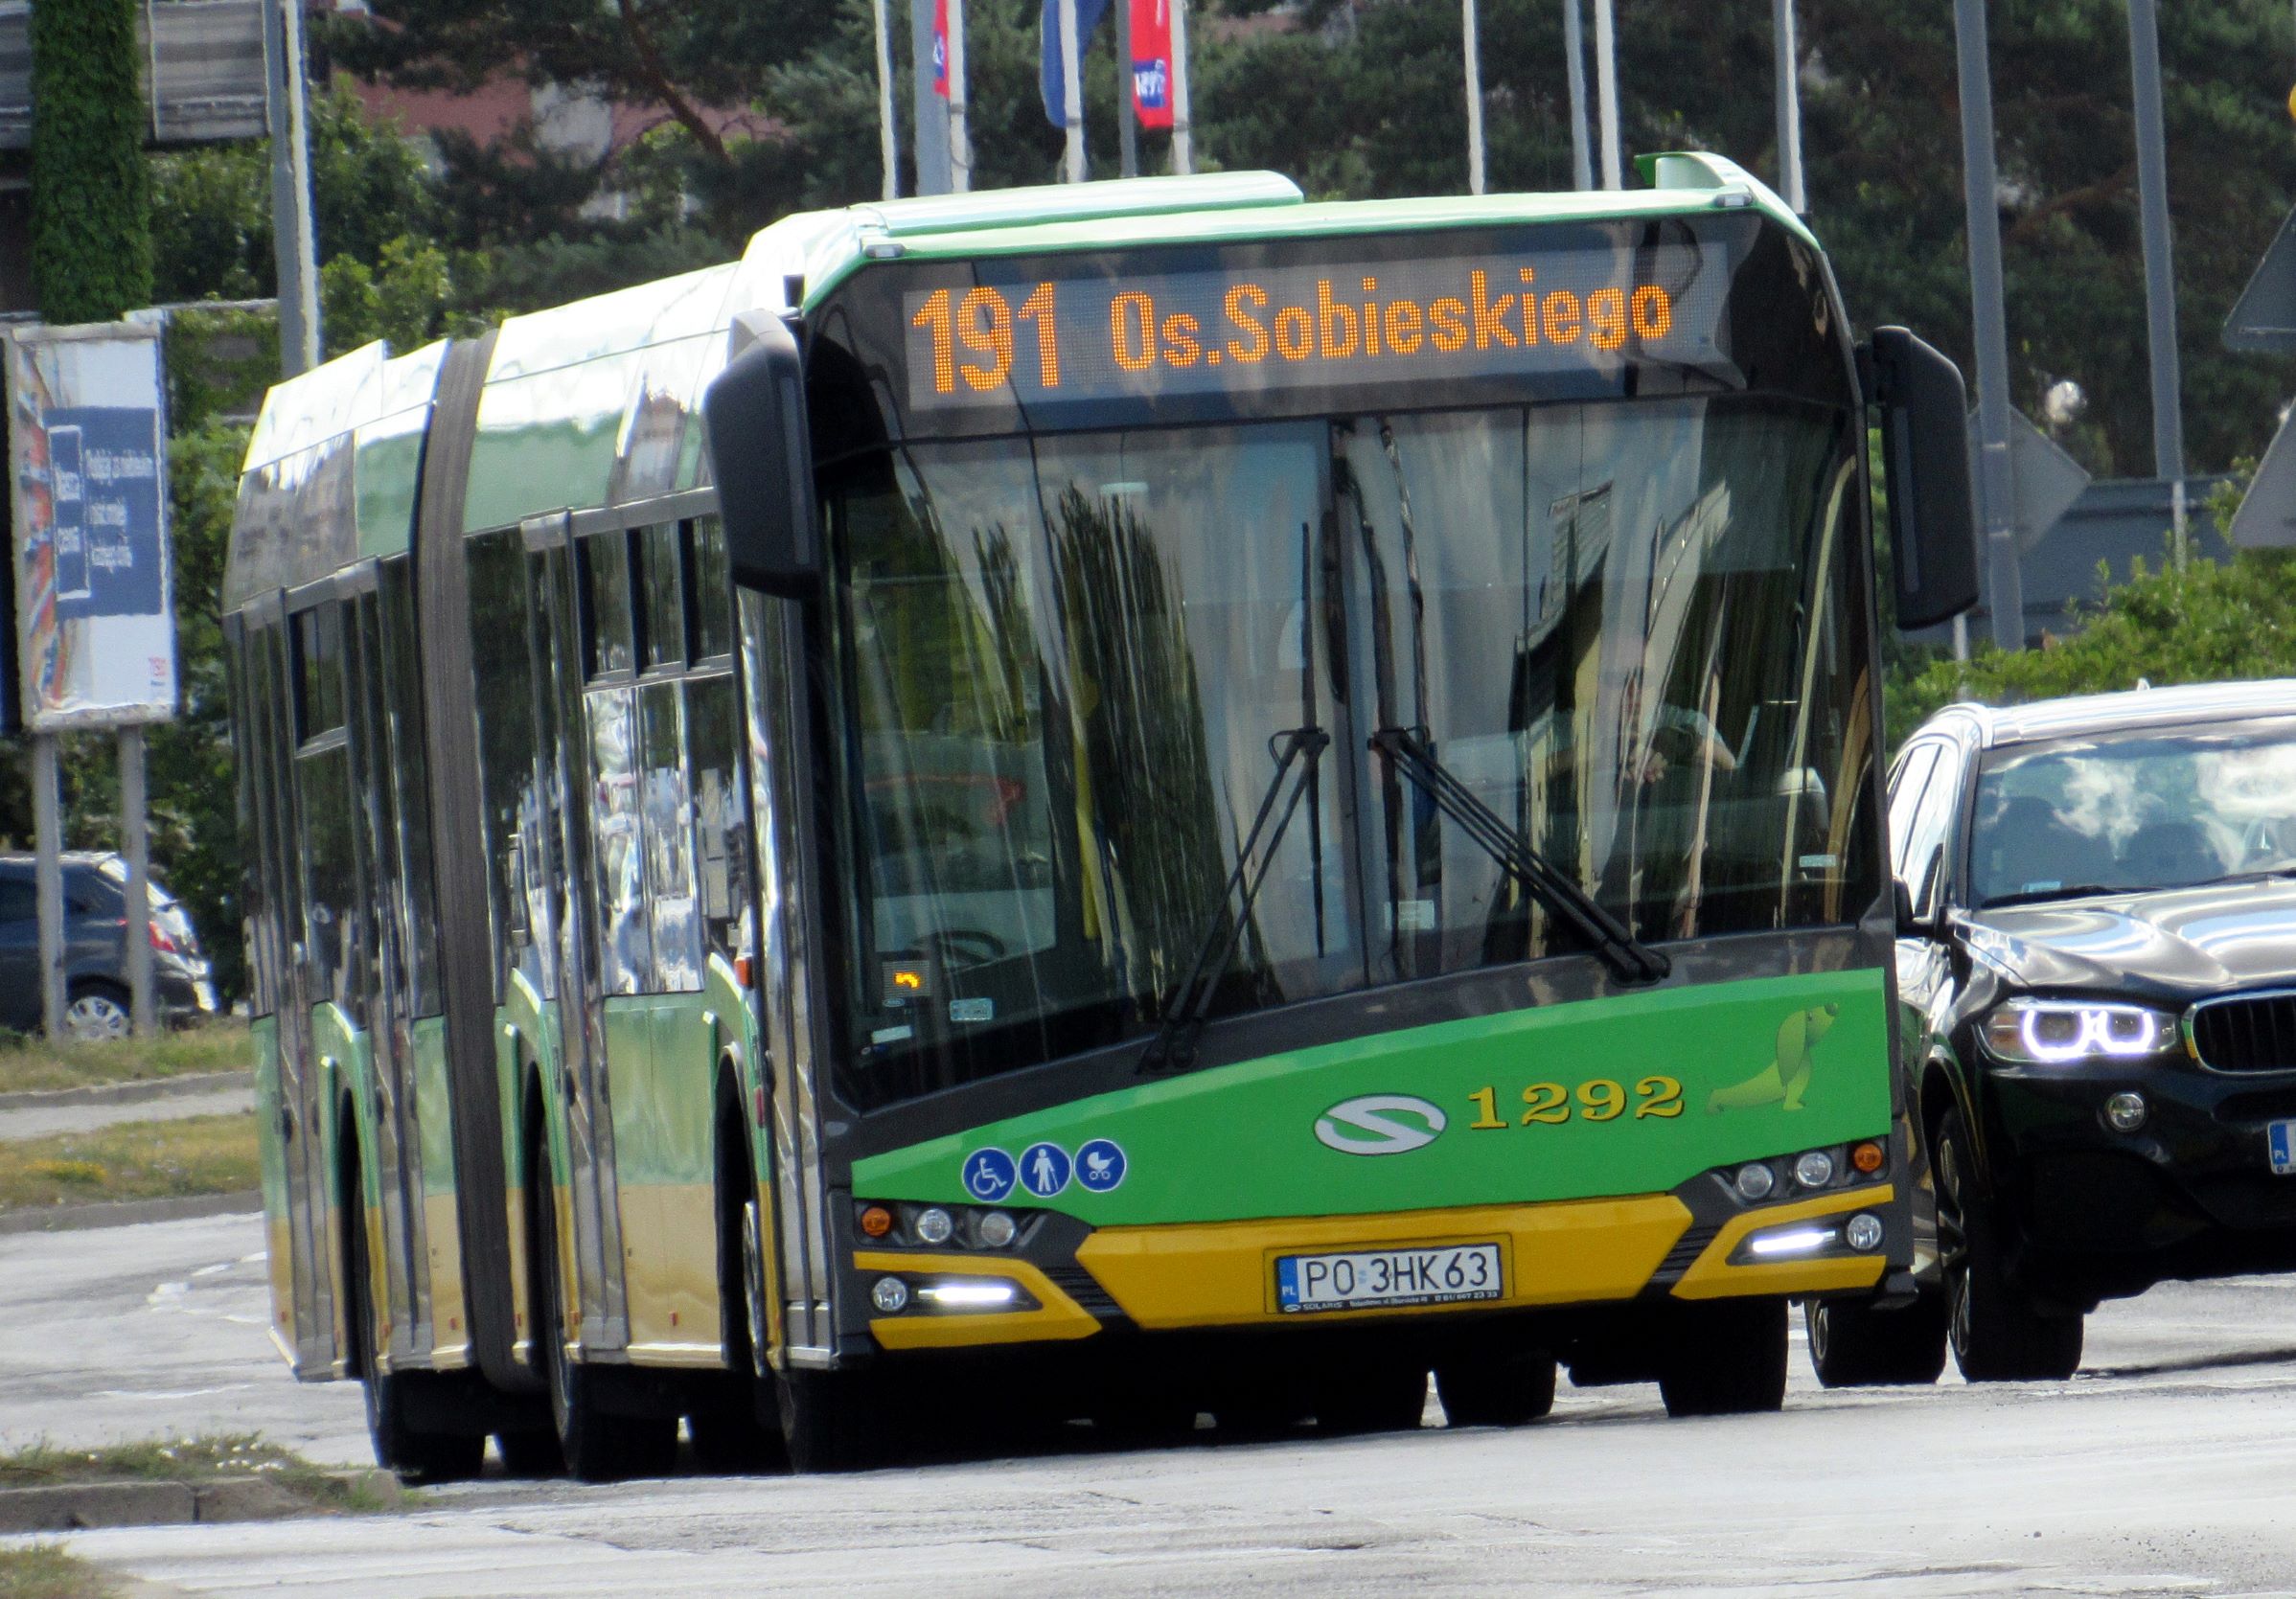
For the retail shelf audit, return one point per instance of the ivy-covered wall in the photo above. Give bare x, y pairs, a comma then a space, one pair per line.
91, 196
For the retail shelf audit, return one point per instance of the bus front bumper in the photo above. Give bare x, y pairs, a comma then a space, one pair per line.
1555, 1255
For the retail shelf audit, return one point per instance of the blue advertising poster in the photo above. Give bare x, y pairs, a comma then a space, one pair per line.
118, 571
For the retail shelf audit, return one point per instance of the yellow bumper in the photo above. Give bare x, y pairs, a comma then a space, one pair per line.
1222, 1273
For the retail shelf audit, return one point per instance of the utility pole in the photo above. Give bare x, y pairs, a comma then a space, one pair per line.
1606, 93
294, 241
1128, 135
1474, 56
933, 122
1575, 47
2160, 272
1071, 71
888, 149
961, 130
1789, 104
1184, 120
1997, 486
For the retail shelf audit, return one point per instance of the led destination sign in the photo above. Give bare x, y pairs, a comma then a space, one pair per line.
1102, 337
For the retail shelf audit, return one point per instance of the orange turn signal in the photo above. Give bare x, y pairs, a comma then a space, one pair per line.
1866, 1157
877, 1220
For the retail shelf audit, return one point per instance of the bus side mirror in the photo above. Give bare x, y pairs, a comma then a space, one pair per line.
1925, 461
761, 452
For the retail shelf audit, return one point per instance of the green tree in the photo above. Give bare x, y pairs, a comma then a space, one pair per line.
91, 223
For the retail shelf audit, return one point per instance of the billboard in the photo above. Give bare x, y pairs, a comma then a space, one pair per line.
87, 471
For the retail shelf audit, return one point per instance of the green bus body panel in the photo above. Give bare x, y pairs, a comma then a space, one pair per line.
434, 1106
262, 1032
661, 1058
1240, 1142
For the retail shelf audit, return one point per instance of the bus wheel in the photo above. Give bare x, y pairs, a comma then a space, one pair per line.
596, 1446
833, 1421
1492, 1389
1998, 1333
1862, 1346
415, 1453
1725, 1357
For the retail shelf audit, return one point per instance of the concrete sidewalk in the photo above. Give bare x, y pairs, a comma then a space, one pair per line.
41, 1115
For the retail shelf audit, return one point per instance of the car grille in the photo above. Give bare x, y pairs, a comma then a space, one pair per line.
2253, 1033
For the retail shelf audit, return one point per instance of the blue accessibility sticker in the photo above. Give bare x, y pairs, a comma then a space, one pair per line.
1100, 1165
989, 1174
1044, 1170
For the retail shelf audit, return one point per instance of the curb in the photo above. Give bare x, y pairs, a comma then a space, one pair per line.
85, 1506
127, 1213
129, 1093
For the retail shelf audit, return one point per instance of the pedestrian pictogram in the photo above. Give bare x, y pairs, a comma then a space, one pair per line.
1044, 1170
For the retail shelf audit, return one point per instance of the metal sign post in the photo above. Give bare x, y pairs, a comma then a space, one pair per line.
1606, 93
1788, 93
2160, 275
1996, 488
1473, 58
1575, 50
1071, 69
95, 613
294, 239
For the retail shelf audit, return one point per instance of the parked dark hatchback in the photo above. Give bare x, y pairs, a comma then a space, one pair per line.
2099, 947
95, 995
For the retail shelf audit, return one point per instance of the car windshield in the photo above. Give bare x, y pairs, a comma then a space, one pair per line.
2135, 810
1074, 662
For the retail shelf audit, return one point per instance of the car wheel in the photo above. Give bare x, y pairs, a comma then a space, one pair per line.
1727, 1359
1997, 1333
95, 1012
1856, 1345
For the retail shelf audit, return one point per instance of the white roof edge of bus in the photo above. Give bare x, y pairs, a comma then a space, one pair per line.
359, 386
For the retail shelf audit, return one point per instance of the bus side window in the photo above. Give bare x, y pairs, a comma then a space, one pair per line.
720, 863
666, 815
708, 591
625, 940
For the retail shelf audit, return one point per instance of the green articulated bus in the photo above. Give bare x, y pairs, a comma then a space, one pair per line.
1118, 801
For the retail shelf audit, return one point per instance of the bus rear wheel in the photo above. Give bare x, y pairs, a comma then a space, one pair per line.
833, 1421
1725, 1358
416, 1454
1854, 1345
596, 1445
1496, 1388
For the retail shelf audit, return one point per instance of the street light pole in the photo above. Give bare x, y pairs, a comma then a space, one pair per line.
1997, 486
2160, 272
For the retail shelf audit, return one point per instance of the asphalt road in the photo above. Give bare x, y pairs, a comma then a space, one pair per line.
2168, 1466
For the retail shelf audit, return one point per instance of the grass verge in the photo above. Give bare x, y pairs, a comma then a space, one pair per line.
130, 1160
44, 1571
27, 1063
206, 1458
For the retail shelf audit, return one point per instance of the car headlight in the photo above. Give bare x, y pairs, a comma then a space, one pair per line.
2055, 1032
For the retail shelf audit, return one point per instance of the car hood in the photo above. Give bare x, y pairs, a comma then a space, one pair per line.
2178, 943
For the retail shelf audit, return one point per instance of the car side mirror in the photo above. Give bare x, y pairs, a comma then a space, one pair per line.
1925, 464
1909, 926
761, 454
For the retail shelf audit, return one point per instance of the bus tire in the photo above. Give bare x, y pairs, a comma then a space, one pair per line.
731, 1432
596, 1445
1496, 1388
1854, 1345
1998, 1333
833, 1421
415, 1453
1725, 1358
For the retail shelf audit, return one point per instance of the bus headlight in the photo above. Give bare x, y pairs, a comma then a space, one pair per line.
890, 1295
2057, 1031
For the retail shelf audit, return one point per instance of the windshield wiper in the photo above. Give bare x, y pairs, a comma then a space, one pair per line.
1627, 956
2070, 891
1174, 1046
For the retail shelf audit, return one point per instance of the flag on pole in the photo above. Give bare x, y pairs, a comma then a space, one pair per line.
1152, 61
1050, 79
940, 48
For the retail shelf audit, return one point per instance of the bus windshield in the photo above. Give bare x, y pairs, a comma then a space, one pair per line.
1072, 662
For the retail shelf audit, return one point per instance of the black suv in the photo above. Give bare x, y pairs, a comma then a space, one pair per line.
95, 949
2097, 952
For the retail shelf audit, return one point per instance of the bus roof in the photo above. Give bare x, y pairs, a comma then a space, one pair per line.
596, 403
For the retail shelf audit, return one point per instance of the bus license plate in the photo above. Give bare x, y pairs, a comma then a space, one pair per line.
2280, 1140
1364, 1278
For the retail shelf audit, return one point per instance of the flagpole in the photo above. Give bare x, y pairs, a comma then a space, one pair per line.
1072, 72
1606, 93
884, 101
1475, 172
1183, 125
961, 135
1575, 46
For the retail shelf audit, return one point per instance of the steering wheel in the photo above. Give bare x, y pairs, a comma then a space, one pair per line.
962, 945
